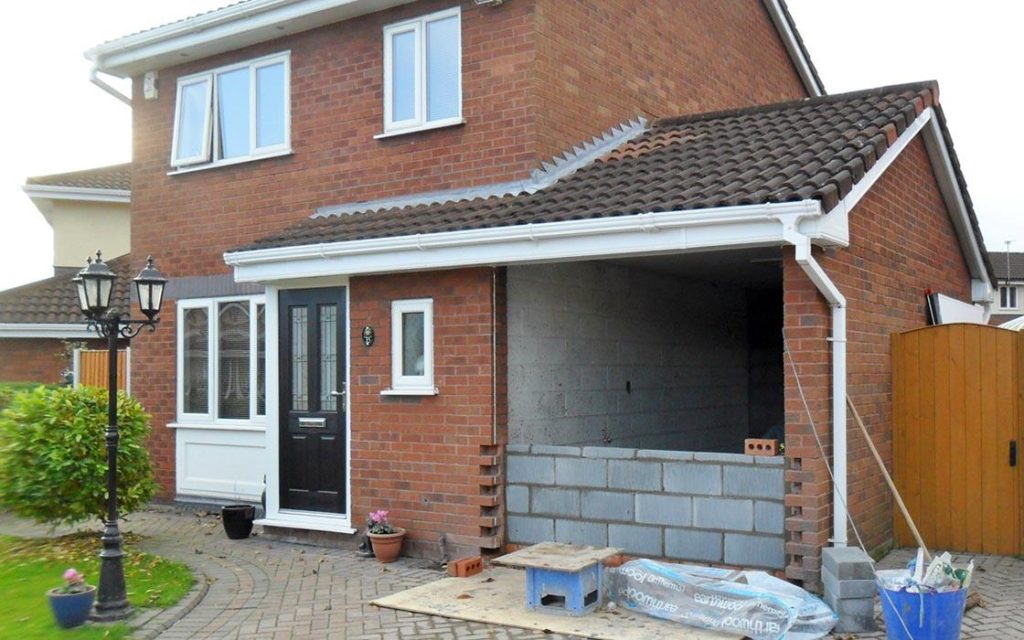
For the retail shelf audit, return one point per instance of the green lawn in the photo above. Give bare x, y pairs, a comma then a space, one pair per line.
29, 567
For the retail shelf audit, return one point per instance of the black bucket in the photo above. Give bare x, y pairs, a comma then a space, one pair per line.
237, 519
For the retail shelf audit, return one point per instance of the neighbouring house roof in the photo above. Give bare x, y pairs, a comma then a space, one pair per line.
115, 177
54, 301
808, 149
1007, 266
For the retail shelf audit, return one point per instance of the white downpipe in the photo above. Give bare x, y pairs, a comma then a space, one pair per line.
831, 293
102, 84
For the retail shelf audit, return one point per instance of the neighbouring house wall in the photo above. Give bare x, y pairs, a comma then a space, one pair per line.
433, 461
579, 333
600, 63
80, 228
698, 507
901, 242
33, 360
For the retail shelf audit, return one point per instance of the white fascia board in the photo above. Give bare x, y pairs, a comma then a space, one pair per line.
633, 235
796, 54
46, 192
45, 330
232, 27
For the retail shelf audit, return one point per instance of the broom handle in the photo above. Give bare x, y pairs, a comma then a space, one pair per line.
888, 480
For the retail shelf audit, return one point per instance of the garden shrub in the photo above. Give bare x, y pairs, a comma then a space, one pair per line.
53, 455
10, 389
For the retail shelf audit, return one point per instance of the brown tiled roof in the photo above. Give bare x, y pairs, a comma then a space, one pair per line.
815, 148
1012, 269
118, 176
54, 300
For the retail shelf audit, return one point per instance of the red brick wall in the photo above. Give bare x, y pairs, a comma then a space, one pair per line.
601, 63
902, 242
430, 460
32, 360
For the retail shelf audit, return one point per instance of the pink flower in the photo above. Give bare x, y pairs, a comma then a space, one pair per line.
379, 517
72, 577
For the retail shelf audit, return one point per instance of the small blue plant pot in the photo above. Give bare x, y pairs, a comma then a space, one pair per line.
71, 609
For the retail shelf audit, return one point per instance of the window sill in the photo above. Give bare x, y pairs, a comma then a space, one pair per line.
441, 124
209, 426
229, 163
411, 391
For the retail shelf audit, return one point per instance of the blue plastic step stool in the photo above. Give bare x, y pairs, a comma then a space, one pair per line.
561, 578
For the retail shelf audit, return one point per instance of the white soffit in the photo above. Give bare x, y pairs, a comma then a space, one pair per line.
45, 330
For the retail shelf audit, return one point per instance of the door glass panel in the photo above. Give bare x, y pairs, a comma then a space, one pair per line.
195, 360
233, 360
412, 344
233, 113
403, 76
443, 68
328, 356
300, 357
261, 360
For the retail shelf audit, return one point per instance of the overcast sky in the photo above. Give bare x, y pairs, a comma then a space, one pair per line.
54, 120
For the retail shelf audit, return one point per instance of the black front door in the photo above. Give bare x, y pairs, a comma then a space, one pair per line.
312, 390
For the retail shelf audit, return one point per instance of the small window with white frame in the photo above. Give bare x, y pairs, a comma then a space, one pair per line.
1008, 298
423, 72
412, 347
222, 370
232, 114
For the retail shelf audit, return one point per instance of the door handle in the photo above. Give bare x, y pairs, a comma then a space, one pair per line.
1013, 453
344, 390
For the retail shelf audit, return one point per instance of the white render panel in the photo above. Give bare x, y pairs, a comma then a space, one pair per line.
220, 463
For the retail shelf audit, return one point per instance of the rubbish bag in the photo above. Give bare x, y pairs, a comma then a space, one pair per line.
750, 603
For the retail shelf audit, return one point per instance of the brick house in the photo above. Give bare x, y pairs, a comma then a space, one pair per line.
513, 276
40, 326
1008, 267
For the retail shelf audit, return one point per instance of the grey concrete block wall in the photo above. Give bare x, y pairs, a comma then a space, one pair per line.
600, 352
704, 507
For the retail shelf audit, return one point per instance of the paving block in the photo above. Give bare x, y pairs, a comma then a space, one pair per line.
530, 530
636, 540
581, 472
847, 588
633, 475
753, 482
577, 532
692, 544
769, 517
698, 479
847, 563
559, 502
517, 498
663, 509
531, 469
723, 513
754, 551
606, 505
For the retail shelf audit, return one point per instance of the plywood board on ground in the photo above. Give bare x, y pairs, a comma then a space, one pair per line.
497, 596
570, 558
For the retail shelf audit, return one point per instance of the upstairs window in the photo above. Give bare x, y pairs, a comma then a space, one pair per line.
233, 113
1008, 298
423, 72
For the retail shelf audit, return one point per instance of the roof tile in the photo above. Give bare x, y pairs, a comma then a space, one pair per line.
118, 177
54, 300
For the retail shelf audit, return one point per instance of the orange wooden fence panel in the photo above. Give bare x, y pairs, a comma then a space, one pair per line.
92, 368
957, 392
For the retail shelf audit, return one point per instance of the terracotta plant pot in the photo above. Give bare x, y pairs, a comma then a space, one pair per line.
71, 609
387, 546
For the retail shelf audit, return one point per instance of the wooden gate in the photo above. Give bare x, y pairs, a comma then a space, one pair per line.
92, 368
957, 425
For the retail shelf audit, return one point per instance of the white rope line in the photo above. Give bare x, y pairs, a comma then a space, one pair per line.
839, 494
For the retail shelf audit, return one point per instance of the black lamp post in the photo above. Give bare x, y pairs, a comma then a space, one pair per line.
95, 285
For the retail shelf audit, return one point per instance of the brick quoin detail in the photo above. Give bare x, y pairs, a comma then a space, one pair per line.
902, 242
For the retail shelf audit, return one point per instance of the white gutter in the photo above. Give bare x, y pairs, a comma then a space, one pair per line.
102, 84
835, 299
45, 330
48, 192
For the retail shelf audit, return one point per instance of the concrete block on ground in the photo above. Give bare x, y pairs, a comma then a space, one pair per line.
690, 544
576, 532
769, 517
723, 513
606, 505
753, 481
530, 530
517, 499
838, 589
676, 511
581, 472
531, 469
754, 551
856, 615
688, 477
633, 475
636, 540
559, 502
847, 563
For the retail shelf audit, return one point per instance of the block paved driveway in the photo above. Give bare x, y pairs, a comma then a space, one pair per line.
264, 589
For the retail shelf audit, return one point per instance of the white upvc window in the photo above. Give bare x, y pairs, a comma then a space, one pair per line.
222, 370
423, 72
233, 114
1008, 298
412, 347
